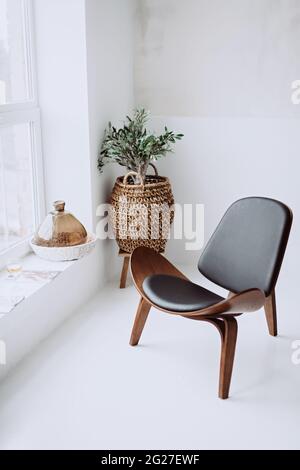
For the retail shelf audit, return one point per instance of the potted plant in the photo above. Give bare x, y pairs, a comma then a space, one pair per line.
137, 196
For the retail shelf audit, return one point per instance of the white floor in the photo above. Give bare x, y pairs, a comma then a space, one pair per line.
86, 388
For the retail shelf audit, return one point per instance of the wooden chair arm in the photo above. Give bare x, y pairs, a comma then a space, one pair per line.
247, 301
145, 262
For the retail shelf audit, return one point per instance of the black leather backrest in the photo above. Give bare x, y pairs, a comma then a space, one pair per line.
247, 248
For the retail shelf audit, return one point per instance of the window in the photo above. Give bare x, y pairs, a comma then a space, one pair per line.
21, 183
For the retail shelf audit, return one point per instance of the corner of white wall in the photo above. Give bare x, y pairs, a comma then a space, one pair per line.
110, 29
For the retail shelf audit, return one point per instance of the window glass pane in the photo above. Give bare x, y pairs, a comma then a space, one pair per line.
13, 64
16, 187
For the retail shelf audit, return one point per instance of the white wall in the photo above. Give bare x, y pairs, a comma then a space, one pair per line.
218, 57
85, 77
63, 98
110, 27
221, 72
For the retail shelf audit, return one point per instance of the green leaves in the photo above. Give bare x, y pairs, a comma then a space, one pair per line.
132, 146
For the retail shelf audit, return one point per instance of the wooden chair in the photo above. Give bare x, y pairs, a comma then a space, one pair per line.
244, 256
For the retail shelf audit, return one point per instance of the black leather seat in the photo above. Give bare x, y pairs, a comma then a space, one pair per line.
178, 295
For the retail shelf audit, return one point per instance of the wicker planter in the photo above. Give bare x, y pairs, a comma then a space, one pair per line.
142, 214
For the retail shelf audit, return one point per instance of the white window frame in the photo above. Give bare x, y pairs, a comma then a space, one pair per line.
28, 112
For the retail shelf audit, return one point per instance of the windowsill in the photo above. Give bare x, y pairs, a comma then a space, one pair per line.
13, 292
17, 251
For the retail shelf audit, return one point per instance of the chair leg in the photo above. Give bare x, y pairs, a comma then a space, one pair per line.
124, 272
271, 314
139, 322
228, 329
227, 355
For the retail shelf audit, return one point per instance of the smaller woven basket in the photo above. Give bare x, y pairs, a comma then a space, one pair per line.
142, 214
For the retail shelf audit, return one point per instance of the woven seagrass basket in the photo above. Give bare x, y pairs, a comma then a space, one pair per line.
141, 215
